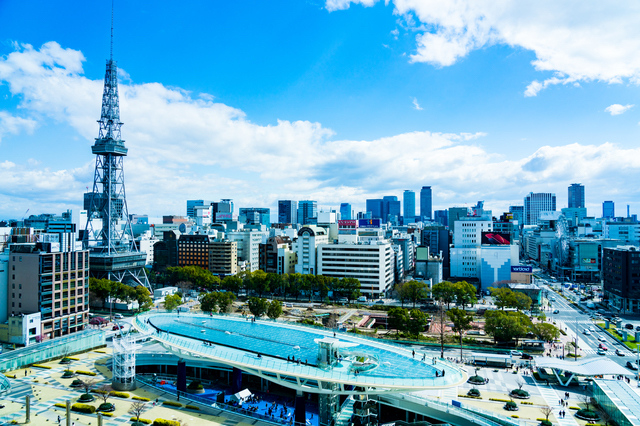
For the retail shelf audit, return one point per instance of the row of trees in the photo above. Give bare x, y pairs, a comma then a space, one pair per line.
504, 297
412, 321
505, 326
259, 283
102, 289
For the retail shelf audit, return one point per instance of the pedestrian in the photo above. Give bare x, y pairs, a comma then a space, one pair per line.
25, 373
58, 419
413, 354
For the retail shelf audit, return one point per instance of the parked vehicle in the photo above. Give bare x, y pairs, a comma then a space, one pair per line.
628, 326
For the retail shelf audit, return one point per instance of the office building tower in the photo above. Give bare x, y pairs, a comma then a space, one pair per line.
346, 212
535, 203
391, 209
374, 206
192, 204
113, 252
441, 217
255, 216
287, 211
409, 201
455, 214
426, 203
517, 213
620, 271
608, 210
576, 196
307, 212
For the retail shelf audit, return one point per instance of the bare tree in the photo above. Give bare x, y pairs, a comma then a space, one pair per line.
136, 410
104, 393
520, 382
546, 411
587, 400
88, 384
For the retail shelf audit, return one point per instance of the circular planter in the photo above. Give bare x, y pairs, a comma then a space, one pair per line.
519, 394
477, 380
76, 383
587, 415
546, 423
68, 374
106, 407
511, 406
474, 393
85, 397
195, 390
65, 361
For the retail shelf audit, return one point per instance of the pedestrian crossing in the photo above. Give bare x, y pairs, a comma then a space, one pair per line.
553, 400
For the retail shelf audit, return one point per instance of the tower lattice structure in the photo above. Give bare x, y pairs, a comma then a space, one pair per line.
109, 235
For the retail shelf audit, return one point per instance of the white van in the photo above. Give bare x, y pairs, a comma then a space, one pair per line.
362, 299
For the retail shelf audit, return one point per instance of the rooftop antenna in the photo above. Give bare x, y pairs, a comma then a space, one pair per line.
111, 48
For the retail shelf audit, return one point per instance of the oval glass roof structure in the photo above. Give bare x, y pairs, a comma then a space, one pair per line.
299, 357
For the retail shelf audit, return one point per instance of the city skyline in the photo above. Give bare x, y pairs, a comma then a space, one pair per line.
211, 109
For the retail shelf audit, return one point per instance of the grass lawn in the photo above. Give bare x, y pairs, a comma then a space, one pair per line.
631, 340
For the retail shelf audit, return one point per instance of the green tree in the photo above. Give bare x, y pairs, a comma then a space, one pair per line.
398, 319
172, 301
257, 306
350, 288
523, 302
503, 297
505, 326
100, 288
225, 300
545, 331
274, 309
232, 283
415, 291
417, 322
143, 297
465, 293
293, 285
444, 291
461, 320
402, 293
209, 301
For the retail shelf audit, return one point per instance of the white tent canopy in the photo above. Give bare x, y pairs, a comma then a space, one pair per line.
241, 396
588, 367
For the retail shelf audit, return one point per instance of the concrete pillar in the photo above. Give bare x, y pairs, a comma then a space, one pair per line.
99, 419
300, 412
236, 380
27, 405
68, 412
181, 385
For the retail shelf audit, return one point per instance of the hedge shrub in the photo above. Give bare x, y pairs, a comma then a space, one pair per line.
163, 422
41, 366
526, 402
86, 373
499, 400
574, 408
107, 414
515, 416
192, 407
119, 394
73, 358
83, 408
60, 405
145, 421
172, 404
140, 398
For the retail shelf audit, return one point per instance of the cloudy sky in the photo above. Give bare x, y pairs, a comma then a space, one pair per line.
334, 100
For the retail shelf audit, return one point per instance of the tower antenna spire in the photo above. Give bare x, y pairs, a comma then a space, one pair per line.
111, 48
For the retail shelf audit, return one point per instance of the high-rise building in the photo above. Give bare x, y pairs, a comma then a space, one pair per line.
374, 206
255, 216
534, 203
346, 212
620, 269
307, 210
287, 211
455, 214
409, 201
113, 252
576, 195
441, 217
192, 204
608, 210
518, 213
426, 203
391, 209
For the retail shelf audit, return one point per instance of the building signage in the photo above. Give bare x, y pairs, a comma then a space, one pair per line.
522, 269
496, 238
224, 216
588, 261
369, 223
347, 223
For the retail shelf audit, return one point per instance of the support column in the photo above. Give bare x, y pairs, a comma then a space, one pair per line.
300, 412
68, 413
99, 419
27, 405
181, 384
236, 380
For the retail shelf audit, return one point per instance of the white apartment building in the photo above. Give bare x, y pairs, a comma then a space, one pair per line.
372, 264
627, 232
248, 247
305, 246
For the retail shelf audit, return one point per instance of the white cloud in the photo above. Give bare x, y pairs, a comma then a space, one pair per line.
333, 5
617, 109
10, 124
183, 146
416, 105
578, 41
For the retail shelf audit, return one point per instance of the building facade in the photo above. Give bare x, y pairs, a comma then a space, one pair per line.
255, 216
346, 211
409, 201
621, 278
576, 196
426, 203
287, 211
305, 247
535, 203
307, 212
608, 210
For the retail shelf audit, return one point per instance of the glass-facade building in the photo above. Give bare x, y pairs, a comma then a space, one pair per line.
307, 212
535, 203
426, 203
346, 211
576, 195
287, 211
608, 209
409, 201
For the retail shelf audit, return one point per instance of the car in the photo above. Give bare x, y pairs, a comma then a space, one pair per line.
632, 366
117, 327
601, 352
619, 352
380, 302
591, 329
526, 356
556, 311
602, 338
516, 353
603, 347
628, 326
638, 328
118, 316
1, 405
343, 300
553, 299
586, 332
288, 305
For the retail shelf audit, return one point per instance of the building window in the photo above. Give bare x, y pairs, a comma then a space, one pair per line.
19, 285
19, 305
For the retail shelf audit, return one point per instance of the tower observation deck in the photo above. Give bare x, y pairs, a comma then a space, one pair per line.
109, 235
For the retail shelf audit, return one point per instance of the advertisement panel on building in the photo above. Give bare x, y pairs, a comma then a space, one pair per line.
348, 223
224, 216
495, 238
588, 261
369, 223
522, 269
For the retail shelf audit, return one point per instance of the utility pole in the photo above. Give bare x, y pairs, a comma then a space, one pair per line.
441, 329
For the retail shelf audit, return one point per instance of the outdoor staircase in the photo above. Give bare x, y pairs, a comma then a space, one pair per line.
344, 417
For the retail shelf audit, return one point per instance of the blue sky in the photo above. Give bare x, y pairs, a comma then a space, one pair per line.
337, 101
